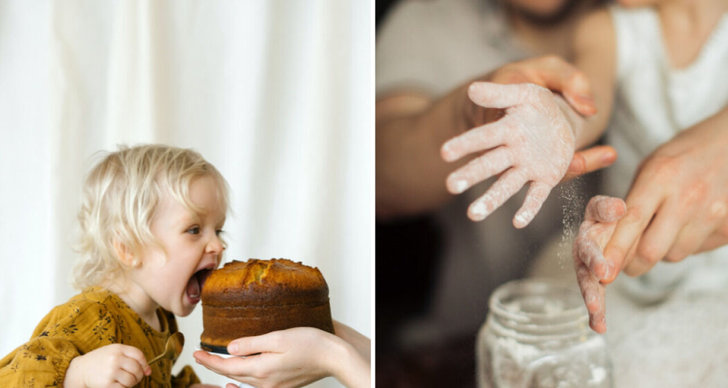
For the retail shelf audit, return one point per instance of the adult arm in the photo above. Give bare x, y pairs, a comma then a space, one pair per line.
678, 202
411, 129
293, 358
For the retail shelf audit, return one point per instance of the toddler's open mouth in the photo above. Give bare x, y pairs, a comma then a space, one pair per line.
194, 286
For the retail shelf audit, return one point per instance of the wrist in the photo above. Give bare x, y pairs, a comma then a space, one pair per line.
73, 378
347, 365
574, 120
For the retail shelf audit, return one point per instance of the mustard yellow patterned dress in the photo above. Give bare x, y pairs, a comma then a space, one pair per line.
92, 319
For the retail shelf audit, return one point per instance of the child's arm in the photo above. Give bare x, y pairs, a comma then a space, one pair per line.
111, 365
292, 357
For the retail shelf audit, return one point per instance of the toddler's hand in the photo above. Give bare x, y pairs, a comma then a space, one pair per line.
534, 142
600, 221
114, 365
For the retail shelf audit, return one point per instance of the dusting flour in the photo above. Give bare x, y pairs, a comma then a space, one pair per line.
572, 211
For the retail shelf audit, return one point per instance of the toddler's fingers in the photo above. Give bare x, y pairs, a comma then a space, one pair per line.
593, 294
590, 254
138, 356
537, 194
509, 183
133, 368
603, 208
479, 169
480, 138
127, 379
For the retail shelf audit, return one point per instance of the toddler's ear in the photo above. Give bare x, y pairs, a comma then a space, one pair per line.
125, 256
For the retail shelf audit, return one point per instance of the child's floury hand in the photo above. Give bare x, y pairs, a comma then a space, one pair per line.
114, 365
600, 221
534, 142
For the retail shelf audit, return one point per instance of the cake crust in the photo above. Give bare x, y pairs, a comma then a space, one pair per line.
247, 298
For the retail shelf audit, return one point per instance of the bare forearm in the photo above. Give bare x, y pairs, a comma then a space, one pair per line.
410, 173
350, 368
361, 343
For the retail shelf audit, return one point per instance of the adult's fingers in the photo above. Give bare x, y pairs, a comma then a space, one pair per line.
656, 240
477, 139
478, 170
492, 95
509, 183
688, 241
233, 366
641, 206
269, 342
535, 197
590, 159
559, 75
554, 73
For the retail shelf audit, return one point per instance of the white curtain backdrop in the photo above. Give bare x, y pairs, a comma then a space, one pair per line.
277, 94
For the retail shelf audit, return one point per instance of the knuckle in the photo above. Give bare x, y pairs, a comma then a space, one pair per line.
695, 192
576, 77
662, 167
553, 60
722, 231
650, 252
634, 214
675, 256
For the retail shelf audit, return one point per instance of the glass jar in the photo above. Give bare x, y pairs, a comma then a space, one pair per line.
537, 335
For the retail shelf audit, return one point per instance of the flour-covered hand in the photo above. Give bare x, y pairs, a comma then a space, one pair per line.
533, 143
600, 221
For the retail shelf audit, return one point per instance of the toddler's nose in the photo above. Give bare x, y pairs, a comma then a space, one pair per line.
215, 245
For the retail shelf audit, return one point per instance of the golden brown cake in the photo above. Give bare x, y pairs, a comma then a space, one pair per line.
246, 298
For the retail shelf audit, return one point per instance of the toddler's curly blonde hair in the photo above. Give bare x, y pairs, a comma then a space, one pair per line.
120, 196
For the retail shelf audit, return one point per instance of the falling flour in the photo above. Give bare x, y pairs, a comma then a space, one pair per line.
572, 211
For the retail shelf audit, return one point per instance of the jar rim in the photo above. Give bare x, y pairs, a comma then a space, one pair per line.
570, 314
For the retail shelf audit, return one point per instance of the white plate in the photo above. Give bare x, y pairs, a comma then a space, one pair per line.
223, 355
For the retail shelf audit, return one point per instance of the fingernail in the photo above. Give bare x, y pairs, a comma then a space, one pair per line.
233, 348
585, 98
478, 211
590, 298
607, 157
460, 186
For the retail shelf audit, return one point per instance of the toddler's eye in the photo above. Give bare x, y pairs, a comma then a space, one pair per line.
219, 232
194, 230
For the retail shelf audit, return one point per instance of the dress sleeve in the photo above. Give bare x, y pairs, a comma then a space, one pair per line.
66, 332
40, 362
185, 378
